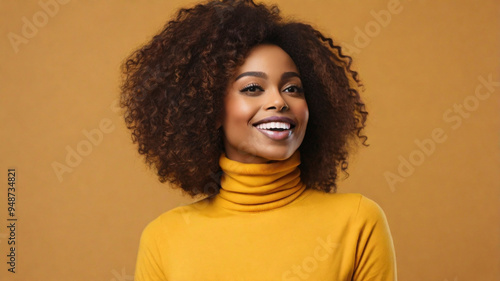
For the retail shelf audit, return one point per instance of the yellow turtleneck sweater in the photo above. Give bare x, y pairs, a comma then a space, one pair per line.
266, 225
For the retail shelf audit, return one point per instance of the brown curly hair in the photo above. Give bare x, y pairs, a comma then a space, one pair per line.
173, 90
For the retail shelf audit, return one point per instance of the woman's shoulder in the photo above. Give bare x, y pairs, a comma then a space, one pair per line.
349, 203
338, 200
177, 216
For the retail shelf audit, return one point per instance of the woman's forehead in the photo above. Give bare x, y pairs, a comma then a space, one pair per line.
267, 59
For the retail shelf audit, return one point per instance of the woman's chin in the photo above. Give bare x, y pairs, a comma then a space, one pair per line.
274, 156
259, 154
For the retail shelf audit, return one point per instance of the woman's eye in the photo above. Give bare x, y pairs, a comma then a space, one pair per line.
252, 89
294, 89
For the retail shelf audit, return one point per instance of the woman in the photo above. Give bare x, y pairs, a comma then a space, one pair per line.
257, 113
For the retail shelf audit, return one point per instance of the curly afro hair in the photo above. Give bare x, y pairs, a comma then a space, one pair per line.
173, 89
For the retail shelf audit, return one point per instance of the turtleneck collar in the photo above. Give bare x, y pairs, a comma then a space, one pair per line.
259, 187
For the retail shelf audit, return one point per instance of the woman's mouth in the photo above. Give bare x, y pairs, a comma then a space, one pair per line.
276, 130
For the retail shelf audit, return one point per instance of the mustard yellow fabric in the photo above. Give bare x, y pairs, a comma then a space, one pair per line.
266, 225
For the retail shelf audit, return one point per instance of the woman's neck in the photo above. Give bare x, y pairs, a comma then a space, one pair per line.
259, 187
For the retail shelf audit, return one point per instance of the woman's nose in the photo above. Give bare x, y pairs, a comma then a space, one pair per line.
274, 101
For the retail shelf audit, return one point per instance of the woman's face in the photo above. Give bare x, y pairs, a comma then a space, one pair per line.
266, 112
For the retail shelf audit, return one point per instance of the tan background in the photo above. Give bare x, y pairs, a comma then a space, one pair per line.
428, 58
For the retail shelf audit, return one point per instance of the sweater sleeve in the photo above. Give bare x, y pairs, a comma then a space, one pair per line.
375, 256
148, 266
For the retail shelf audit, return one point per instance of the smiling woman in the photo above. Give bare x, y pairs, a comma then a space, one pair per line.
233, 102
266, 113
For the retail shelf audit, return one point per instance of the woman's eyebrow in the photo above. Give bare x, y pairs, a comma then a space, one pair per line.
259, 74
287, 75
252, 73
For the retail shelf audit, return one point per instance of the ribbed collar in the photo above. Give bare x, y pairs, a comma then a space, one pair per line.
259, 187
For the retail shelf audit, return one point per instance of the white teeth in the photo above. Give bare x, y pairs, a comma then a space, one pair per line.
274, 125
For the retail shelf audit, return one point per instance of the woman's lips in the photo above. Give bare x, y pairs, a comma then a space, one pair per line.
276, 135
275, 119
275, 127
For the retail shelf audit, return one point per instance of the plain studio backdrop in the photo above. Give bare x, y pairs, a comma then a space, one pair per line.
83, 195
